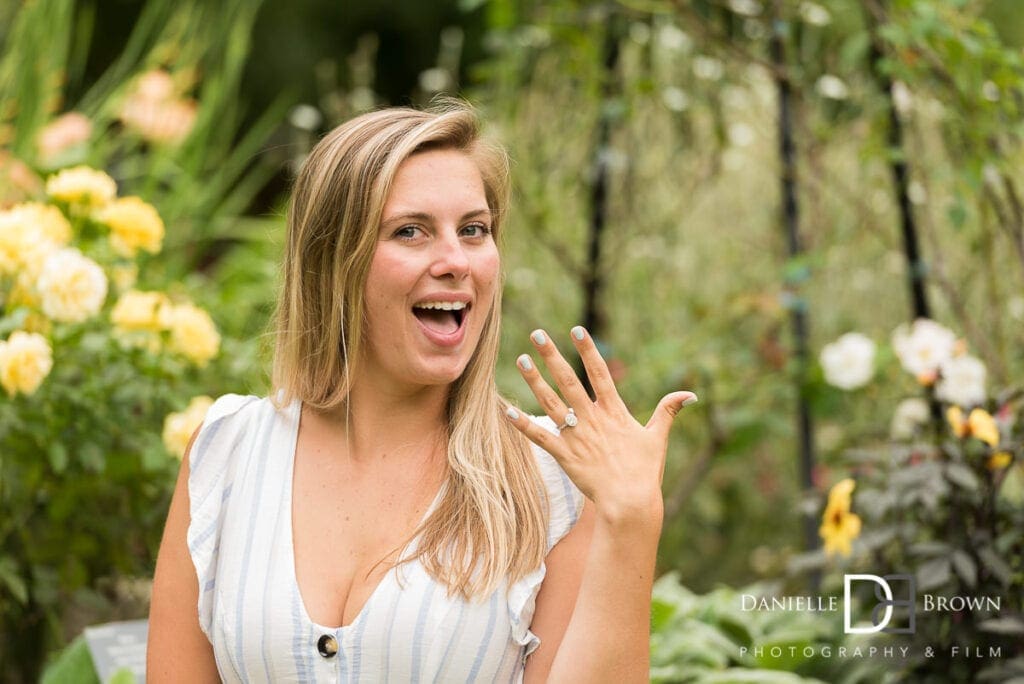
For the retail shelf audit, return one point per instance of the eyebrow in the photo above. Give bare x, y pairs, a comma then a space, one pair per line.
423, 216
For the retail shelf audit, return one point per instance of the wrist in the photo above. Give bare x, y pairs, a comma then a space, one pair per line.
633, 516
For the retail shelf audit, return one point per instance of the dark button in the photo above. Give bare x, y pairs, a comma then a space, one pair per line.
328, 646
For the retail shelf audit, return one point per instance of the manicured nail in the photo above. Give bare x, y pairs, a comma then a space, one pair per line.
538, 338
690, 400
512, 413
577, 332
524, 362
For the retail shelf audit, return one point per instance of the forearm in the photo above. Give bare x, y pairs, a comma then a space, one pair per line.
608, 637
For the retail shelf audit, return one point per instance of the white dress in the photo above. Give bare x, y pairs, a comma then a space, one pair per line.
240, 540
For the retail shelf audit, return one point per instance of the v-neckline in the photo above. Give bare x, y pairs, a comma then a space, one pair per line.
296, 417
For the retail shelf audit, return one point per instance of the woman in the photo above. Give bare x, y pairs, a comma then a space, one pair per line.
382, 516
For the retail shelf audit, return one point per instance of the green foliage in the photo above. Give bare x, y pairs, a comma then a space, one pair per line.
85, 476
710, 638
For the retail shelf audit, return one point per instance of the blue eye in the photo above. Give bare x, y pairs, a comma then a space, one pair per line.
406, 232
481, 230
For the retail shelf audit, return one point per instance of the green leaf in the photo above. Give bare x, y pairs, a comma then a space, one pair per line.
965, 567
14, 582
962, 476
995, 564
58, 456
1002, 625
933, 574
73, 665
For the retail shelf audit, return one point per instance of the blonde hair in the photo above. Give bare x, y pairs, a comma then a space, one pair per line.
491, 521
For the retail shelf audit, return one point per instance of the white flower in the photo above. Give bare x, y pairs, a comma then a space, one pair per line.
902, 98
675, 98
814, 14
748, 8
674, 39
909, 415
741, 135
72, 287
849, 362
962, 381
916, 192
922, 347
708, 68
832, 87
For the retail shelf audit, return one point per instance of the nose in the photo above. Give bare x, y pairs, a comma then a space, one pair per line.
450, 259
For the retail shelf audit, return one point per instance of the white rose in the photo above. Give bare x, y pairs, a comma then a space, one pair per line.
909, 415
72, 287
924, 346
849, 362
962, 381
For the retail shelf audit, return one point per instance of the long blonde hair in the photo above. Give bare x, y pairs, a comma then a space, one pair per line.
491, 521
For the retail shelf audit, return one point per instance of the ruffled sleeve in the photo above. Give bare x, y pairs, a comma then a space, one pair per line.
566, 504
211, 466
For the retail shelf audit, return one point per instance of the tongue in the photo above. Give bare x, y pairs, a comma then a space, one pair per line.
438, 320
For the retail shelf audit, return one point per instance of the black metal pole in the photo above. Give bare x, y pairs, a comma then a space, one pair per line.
798, 309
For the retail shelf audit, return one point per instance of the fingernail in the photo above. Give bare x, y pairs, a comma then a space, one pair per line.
538, 338
512, 413
690, 400
524, 362
577, 332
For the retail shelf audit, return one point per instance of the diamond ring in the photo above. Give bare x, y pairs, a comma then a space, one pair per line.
570, 420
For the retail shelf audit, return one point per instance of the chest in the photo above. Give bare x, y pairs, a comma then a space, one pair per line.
348, 528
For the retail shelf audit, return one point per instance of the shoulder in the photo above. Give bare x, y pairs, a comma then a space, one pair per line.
565, 500
225, 420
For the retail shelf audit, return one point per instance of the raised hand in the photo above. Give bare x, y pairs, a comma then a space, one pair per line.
614, 460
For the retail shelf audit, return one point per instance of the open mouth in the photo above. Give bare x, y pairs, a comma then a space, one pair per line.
443, 319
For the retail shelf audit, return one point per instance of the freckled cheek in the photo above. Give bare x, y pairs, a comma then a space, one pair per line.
486, 272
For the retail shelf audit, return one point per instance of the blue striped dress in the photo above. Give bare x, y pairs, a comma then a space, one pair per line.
240, 540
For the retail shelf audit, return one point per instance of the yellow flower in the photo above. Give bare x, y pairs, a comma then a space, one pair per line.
1000, 460
839, 527
980, 425
28, 234
137, 310
124, 276
178, 427
193, 333
82, 188
134, 225
44, 221
138, 318
25, 360
72, 287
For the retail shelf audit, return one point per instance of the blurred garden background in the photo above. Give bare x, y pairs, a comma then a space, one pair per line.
809, 212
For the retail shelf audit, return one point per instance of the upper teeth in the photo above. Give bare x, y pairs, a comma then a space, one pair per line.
447, 306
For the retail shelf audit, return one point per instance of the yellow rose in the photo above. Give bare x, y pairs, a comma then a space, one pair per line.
28, 234
82, 188
178, 427
193, 333
138, 318
72, 287
25, 360
124, 276
134, 225
137, 310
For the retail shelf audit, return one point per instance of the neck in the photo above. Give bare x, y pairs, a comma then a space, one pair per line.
397, 425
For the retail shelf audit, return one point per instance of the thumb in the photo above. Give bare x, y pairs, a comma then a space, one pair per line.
668, 407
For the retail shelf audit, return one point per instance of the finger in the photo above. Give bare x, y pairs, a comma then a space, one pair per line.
564, 375
668, 407
549, 400
597, 370
539, 435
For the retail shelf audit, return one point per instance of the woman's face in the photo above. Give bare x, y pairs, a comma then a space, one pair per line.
434, 273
